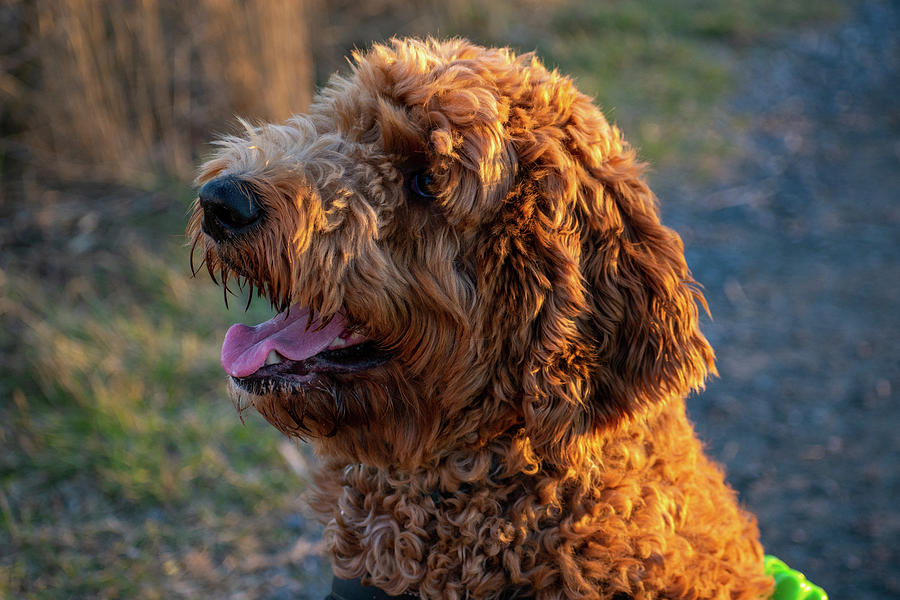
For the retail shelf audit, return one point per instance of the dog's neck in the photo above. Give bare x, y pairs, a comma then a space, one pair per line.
493, 517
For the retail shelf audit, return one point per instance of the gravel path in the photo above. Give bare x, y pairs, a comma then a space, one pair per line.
800, 257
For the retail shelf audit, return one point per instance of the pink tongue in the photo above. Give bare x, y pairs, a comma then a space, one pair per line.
245, 348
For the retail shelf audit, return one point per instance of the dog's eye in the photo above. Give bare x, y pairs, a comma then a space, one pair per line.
423, 185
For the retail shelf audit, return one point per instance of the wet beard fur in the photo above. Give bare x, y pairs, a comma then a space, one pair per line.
376, 417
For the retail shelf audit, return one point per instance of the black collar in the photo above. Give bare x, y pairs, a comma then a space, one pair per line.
353, 589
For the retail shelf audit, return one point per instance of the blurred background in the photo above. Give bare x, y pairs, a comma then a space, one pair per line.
773, 129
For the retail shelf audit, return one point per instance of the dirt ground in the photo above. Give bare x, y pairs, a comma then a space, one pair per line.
800, 257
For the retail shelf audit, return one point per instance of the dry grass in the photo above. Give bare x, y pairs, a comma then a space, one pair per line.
125, 88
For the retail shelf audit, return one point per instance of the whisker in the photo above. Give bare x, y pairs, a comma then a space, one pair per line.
209, 268
194, 247
225, 275
249, 296
297, 417
200, 266
240, 407
225, 290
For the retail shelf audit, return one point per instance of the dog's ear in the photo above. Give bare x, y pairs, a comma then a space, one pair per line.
616, 329
644, 303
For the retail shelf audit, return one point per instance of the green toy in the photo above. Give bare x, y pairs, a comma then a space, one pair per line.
791, 584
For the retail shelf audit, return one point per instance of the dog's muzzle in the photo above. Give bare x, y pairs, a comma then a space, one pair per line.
230, 208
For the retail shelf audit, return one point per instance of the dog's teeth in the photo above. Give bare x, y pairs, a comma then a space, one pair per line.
355, 337
273, 358
337, 342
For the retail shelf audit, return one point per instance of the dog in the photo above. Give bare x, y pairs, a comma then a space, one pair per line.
484, 330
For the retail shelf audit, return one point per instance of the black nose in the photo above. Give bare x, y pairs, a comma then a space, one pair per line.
230, 208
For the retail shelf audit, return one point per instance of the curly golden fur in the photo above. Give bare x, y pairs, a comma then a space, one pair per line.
526, 433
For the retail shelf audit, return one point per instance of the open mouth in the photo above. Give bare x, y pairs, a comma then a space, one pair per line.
293, 347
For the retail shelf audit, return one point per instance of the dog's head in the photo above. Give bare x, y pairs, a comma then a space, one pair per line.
462, 247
